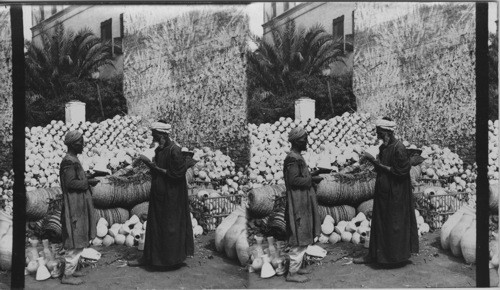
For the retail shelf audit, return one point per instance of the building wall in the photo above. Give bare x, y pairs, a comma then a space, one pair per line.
76, 17
190, 71
308, 14
415, 62
5, 90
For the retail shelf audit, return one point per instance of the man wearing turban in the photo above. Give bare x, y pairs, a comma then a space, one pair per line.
393, 236
169, 236
302, 219
77, 215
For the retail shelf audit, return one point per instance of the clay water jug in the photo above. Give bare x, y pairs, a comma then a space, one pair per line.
53, 262
32, 250
54, 250
271, 247
259, 250
42, 273
257, 264
46, 250
267, 270
278, 262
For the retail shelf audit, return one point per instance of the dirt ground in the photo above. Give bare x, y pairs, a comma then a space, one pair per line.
432, 267
207, 270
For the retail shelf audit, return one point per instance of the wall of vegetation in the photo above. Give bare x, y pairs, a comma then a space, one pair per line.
190, 71
418, 67
5, 90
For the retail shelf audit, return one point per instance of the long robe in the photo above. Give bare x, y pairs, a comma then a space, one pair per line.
393, 234
301, 211
169, 233
77, 215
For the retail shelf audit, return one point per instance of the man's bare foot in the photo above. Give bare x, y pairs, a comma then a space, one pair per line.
137, 263
71, 280
304, 271
79, 274
363, 260
296, 278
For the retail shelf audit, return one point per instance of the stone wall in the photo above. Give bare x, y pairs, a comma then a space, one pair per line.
5, 90
415, 62
191, 71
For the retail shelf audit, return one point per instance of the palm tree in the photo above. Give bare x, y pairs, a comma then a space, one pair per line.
62, 57
282, 68
57, 66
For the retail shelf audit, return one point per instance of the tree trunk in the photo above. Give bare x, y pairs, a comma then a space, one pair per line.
330, 97
100, 100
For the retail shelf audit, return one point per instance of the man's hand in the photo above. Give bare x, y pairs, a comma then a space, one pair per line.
89, 175
93, 181
317, 179
321, 171
146, 161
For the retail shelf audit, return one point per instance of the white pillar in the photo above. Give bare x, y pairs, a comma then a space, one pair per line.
305, 108
75, 112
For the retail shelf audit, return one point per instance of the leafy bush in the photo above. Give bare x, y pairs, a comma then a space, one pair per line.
289, 67
40, 111
60, 70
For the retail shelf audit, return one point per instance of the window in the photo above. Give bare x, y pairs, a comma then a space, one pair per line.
54, 10
106, 33
121, 25
117, 41
352, 24
273, 7
41, 13
338, 29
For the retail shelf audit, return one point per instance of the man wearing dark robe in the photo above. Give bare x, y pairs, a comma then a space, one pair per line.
169, 234
393, 236
77, 215
302, 219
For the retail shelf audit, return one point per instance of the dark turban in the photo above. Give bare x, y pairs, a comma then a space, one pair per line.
72, 136
296, 133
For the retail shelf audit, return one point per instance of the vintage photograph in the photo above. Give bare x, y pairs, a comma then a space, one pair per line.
263, 145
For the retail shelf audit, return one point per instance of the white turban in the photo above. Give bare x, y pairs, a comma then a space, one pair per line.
385, 124
161, 127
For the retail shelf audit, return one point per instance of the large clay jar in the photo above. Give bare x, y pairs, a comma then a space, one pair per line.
458, 232
468, 244
450, 223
